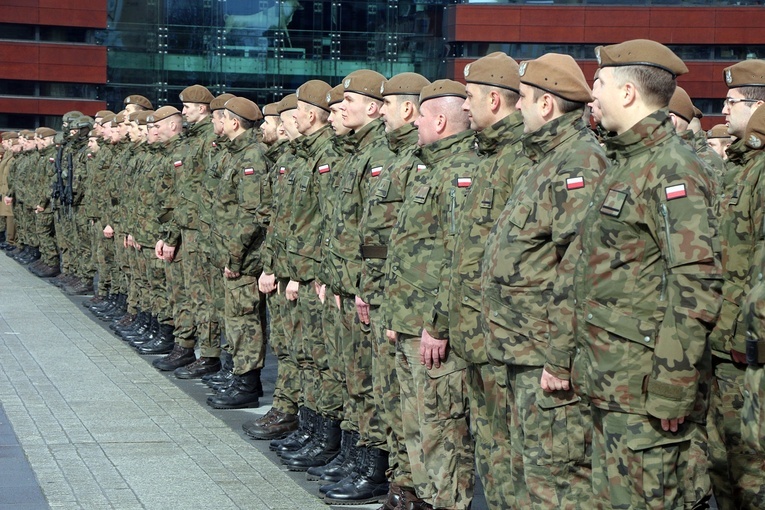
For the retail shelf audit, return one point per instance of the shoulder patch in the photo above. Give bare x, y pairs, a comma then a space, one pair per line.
376, 171
249, 171
676, 191
323, 169
574, 183
178, 163
464, 182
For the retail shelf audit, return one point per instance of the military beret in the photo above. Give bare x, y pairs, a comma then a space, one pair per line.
335, 95
10, 135
755, 130
314, 92
119, 118
719, 131
163, 113
404, 84
747, 73
244, 108
697, 113
107, 118
142, 118
681, 104
365, 82
442, 88
270, 110
640, 52
196, 94
139, 100
557, 74
45, 132
495, 69
101, 113
219, 102
26, 134
287, 103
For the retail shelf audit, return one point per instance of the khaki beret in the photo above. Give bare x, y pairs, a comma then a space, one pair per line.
404, 84
442, 88
163, 113
681, 104
196, 94
557, 74
747, 73
335, 95
139, 100
45, 132
314, 92
697, 113
287, 103
26, 134
100, 114
142, 118
719, 131
270, 110
755, 130
107, 118
10, 136
119, 118
365, 82
640, 52
244, 108
495, 69
219, 102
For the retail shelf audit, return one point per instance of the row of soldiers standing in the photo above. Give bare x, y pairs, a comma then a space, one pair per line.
460, 279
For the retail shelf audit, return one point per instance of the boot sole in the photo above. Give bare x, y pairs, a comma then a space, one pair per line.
367, 501
242, 406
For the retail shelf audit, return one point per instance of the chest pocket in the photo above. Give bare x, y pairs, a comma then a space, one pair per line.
736, 196
348, 183
487, 200
520, 214
227, 174
421, 194
614, 202
305, 183
383, 188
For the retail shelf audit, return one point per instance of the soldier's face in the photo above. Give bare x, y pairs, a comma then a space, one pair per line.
426, 124
192, 112
336, 119
302, 117
353, 107
152, 135
131, 108
608, 96
288, 121
738, 114
719, 145
217, 122
530, 109
391, 113
477, 105
93, 144
597, 115
268, 129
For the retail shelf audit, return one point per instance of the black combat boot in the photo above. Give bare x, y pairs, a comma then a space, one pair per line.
341, 466
164, 343
318, 452
299, 437
242, 393
370, 485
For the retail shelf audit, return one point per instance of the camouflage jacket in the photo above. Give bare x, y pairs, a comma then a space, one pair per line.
361, 170
459, 297
424, 233
14, 179
707, 155
531, 235
130, 204
736, 152
242, 208
115, 182
381, 211
313, 180
98, 175
46, 176
641, 284
78, 148
209, 185
153, 186
198, 140
741, 217
281, 178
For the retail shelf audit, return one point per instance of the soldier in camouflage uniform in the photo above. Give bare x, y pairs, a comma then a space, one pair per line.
550, 432
12, 147
719, 140
41, 196
241, 215
492, 92
738, 479
641, 286
21, 180
432, 377
399, 111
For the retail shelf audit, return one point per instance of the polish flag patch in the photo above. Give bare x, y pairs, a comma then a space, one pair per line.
177, 164
574, 183
249, 171
464, 182
52, 160
420, 168
323, 169
282, 171
376, 171
676, 191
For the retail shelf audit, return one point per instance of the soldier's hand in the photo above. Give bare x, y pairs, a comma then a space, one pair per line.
432, 350
130, 240
291, 292
391, 335
158, 248
362, 309
229, 274
168, 252
8, 200
671, 425
337, 302
321, 290
108, 232
125, 242
549, 382
267, 283
39, 209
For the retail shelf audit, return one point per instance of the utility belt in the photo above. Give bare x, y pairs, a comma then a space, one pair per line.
755, 350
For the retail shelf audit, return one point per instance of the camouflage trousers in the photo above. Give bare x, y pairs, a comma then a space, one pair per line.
737, 472
156, 275
120, 270
183, 316
103, 254
63, 239
197, 283
46, 238
83, 255
245, 322
387, 393
753, 412
551, 433
333, 398
340, 362
637, 465
307, 346
490, 400
359, 382
25, 223
287, 386
434, 410
138, 282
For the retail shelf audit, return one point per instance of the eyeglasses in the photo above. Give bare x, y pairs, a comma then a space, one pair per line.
730, 101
